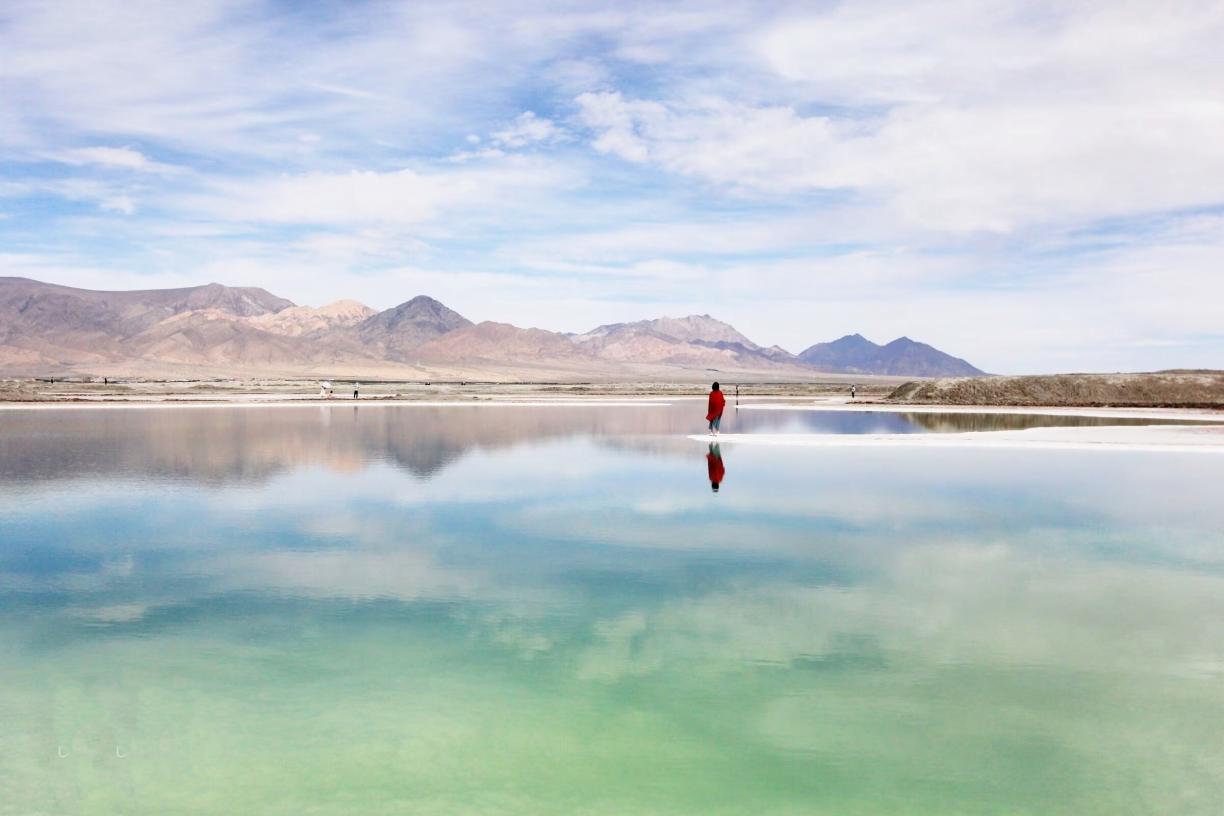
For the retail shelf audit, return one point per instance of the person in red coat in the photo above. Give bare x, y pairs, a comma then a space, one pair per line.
714, 466
714, 414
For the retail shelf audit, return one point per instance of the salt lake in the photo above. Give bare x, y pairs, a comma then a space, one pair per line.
342, 609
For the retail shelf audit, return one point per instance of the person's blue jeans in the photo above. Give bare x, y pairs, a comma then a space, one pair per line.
714, 422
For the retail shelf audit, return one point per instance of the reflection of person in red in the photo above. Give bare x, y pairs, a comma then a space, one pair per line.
715, 412
714, 464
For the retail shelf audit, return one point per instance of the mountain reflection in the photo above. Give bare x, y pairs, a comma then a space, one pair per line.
222, 445
251, 444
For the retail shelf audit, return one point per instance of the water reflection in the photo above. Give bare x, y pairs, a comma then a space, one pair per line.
243, 445
715, 469
556, 622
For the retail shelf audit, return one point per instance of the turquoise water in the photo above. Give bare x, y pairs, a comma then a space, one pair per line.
338, 610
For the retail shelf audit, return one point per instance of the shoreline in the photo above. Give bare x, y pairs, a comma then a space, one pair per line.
537, 400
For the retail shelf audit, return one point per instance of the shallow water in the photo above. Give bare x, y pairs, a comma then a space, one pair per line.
548, 610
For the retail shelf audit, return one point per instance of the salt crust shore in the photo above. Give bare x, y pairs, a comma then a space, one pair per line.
1145, 438
1185, 414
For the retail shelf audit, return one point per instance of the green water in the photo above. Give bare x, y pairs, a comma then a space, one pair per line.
548, 611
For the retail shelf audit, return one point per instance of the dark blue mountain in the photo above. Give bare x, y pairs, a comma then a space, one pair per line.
855, 354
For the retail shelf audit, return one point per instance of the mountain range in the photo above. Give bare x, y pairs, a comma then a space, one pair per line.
855, 354
216, 330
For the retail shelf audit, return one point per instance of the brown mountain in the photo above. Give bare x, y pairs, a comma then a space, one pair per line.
60, 325
396, 333
695, 340
297, 321
503, 343
224, 331
694, 328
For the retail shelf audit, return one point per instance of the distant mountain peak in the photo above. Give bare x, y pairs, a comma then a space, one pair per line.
688, 329
411, 324
243, 301
304, 320
422, 306
854, 339
855, 354
344, 305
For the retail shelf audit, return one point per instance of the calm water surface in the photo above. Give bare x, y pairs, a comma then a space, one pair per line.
408, 610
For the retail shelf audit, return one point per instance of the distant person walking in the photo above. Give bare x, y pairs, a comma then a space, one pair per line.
715, 412
356, 388
853, 391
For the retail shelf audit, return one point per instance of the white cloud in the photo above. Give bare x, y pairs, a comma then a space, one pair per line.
116, 157
766, 149
120, 204
997, 167
961, 116
370, 197
527, 129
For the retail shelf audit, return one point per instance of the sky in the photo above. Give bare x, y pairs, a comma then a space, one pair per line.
1033, 186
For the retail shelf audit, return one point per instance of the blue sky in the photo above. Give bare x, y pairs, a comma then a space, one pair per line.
1035, 187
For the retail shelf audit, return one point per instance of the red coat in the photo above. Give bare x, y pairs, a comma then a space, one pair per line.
717, 403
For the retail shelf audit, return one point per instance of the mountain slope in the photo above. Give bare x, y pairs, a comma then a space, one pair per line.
855, 354
32, 306
501, 342
397, 332
63, 325
304, 320
693, 328
695, 340
45, 328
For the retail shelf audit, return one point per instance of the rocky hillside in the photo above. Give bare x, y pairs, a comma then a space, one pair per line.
1163, 388
297, 321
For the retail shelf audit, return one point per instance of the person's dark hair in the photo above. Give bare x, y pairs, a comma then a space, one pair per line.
714, 486
715, 386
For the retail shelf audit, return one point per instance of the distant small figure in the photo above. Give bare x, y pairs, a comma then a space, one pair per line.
853, 391
356, 388
715, 412
714, 466
105, 381
325, 389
